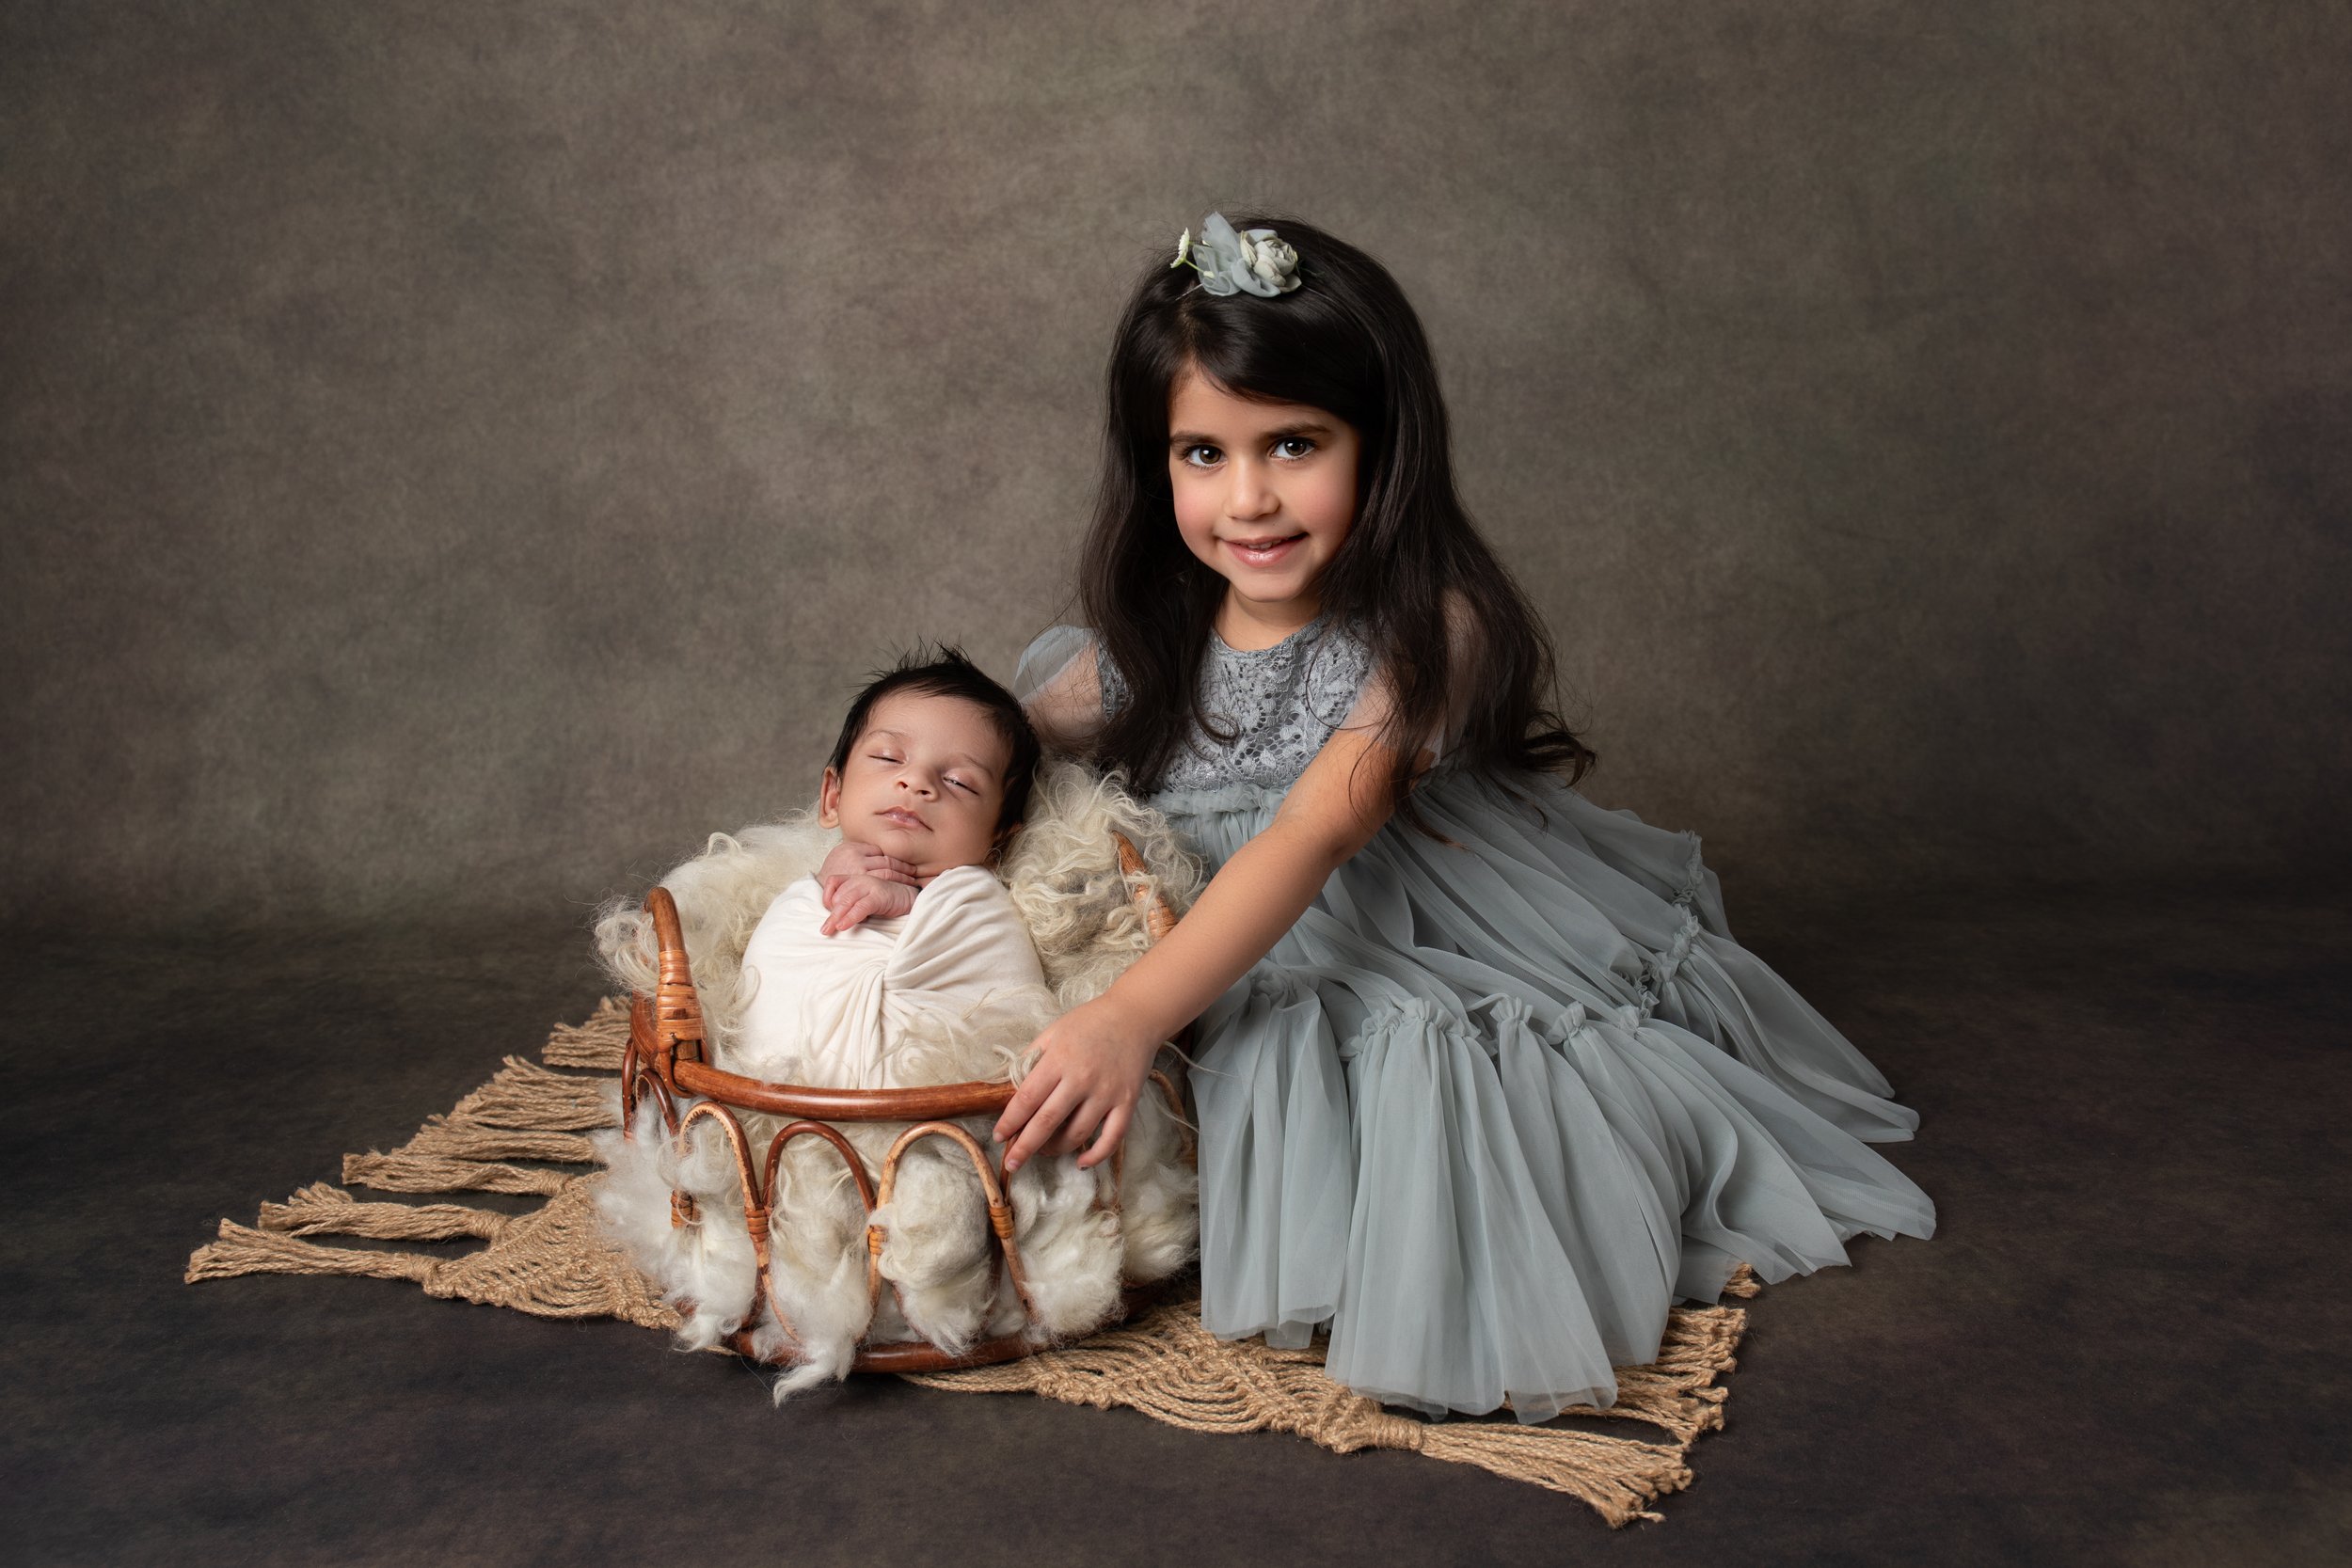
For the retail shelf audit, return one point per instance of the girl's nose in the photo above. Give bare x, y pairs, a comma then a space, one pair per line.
1250, 495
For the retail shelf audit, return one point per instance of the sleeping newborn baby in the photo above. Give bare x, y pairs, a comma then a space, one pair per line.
900, 959
904, 927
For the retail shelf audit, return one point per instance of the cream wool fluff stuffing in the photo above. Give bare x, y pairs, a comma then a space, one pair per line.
1063, 875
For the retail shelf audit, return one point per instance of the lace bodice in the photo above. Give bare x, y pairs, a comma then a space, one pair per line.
1278, 704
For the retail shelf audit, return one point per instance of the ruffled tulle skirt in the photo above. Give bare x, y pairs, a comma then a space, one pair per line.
1490, 1107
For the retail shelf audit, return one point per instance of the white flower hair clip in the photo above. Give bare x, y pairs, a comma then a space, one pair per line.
1256, 261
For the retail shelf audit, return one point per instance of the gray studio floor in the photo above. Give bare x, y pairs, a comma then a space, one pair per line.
2125, 1345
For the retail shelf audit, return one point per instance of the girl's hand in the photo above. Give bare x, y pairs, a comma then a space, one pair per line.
861, 897
1090, 1067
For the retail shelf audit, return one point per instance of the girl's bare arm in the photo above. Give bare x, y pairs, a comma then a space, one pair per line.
1093, 1061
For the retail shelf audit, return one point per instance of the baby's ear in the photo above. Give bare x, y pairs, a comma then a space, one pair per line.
829, 801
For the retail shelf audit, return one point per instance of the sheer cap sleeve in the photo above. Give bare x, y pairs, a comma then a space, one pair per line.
1378, 698
1066, 687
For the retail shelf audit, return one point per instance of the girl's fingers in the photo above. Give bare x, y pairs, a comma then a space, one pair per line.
1036, 1120
1080, 1126
1106, 1144
1070, 1124
1041, 1126
1024, 1102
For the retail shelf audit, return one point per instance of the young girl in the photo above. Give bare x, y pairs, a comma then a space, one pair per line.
1485, 1084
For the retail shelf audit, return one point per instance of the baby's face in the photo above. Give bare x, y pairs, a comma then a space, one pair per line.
925, 782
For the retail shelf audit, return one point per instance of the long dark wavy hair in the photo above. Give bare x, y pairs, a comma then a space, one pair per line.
1346, 342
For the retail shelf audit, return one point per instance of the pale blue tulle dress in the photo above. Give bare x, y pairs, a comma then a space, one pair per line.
1487, 1110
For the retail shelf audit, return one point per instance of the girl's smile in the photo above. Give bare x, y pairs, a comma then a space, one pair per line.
1265, 494
1263, 552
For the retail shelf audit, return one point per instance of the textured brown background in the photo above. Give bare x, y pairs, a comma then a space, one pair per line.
452, 457
469, 452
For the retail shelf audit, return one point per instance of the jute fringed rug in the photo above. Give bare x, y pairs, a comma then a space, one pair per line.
552, 1261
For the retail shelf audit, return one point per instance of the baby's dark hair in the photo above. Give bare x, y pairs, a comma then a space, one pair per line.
944, 671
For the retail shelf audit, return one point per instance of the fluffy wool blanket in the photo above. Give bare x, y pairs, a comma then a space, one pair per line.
1076, 1247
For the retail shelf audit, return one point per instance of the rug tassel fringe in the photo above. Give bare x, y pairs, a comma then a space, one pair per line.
1168, 1366
526, 1094
407, 1172
1668, 1403
596, 1042
1677, 1392
1616, 1477
444, 1138
554, 1264
243, 1250
323, 1209
549, 1263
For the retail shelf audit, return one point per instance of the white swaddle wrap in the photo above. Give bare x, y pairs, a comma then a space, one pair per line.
842, 1011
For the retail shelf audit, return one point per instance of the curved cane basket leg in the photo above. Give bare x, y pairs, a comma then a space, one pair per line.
628, 1077
857, 1174
999, 1206
684, 1211
754, 1197
646, 1079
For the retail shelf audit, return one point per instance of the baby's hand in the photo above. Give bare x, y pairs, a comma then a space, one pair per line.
852, 860
861, 897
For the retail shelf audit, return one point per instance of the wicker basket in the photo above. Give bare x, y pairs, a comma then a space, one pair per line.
667, 1057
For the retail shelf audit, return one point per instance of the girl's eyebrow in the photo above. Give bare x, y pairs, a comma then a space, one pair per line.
1194, 438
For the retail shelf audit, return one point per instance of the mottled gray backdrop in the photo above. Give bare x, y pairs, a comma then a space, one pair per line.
468, 452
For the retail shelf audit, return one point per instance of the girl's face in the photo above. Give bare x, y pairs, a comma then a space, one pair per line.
1266, 492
